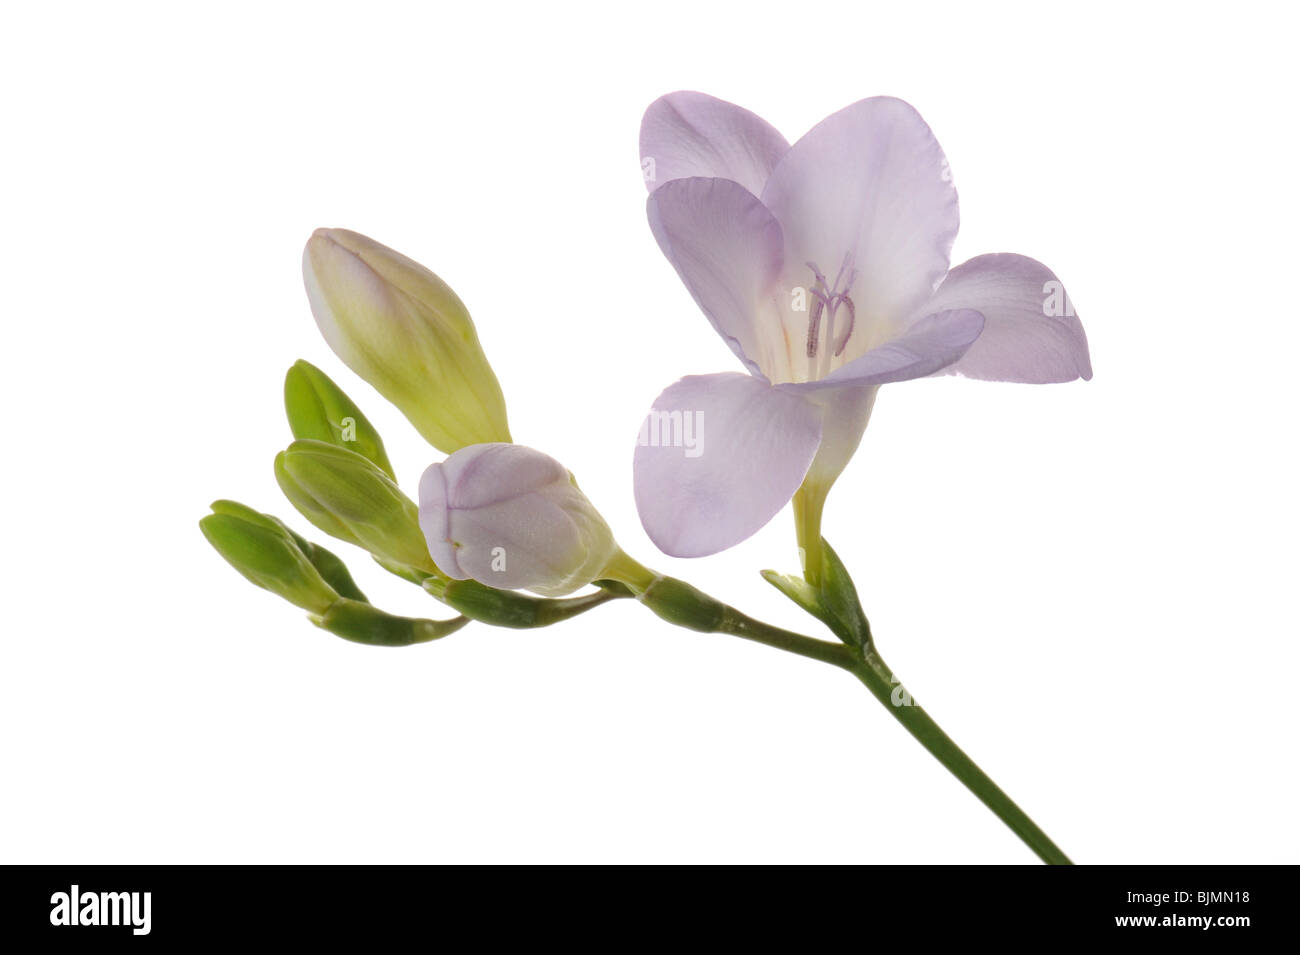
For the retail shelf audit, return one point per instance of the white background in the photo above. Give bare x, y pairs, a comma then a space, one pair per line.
1091, 586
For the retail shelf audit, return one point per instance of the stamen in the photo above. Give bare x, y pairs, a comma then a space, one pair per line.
814, 324
842, 339
828, 299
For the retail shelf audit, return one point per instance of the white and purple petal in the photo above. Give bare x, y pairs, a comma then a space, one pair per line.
687, 134
1031, 333
718, 457
726, 247
868, 188
929, 345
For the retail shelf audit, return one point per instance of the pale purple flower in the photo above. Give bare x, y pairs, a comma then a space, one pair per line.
824, 266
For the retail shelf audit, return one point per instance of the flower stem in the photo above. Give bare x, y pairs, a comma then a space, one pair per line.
683, 605
885, 687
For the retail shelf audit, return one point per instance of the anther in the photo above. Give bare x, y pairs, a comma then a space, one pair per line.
814, 324
842, 339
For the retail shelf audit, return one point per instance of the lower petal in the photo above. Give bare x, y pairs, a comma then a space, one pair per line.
718, 457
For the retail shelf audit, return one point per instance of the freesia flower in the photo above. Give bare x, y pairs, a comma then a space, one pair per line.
404, 331
512, 518
824, 266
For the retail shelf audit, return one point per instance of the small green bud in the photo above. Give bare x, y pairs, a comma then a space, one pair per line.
318, 409
263, 550
330, 567
362, 623
349, 497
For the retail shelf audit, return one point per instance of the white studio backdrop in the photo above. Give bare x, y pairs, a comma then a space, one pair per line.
1090, 586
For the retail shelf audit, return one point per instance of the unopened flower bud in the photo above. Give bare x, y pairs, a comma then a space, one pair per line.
266, 553
512, 518
319, 410
347, 496
403, 330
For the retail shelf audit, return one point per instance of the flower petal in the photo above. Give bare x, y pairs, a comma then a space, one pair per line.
688, 134
929, 345
727, 249
718, 457
868, 187
1031, 333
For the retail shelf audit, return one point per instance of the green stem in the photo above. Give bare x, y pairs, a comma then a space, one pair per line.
737, 624
885, 687
683, 605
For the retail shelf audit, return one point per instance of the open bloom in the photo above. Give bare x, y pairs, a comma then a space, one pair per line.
824, 266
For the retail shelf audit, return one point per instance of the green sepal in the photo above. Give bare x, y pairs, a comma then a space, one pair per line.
361, 623
835, 603
332, 568
801, 592
319, 410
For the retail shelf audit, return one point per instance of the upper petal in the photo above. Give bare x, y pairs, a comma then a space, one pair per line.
1031, 333
718, 457
688, 134
927, 346
868, 187
727, 249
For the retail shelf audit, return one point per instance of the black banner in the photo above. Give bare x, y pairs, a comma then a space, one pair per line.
894, 906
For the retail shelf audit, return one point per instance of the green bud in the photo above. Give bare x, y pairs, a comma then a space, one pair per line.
265, 552
318, 409
362, 623
348, 497
330, 567
308, 506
